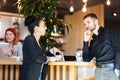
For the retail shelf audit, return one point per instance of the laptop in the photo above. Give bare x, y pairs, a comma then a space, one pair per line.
69, 58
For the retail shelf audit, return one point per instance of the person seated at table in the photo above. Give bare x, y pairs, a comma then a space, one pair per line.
14, 46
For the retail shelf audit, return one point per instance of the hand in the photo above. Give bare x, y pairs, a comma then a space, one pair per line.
87, 35
55, 50
53, 59
6, 51
116, 72
2, 50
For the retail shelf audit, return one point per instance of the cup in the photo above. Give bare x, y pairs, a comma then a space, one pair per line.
78, 56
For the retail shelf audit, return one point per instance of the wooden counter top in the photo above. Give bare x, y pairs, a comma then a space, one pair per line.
9, 61
74, 63
12, 61
63, 70
69, 70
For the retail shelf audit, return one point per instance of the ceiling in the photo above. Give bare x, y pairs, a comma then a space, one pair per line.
63, 8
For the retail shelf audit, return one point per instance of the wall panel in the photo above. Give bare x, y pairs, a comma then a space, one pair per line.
75, 37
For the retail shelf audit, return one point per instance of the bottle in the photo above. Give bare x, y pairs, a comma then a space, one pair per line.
78, 55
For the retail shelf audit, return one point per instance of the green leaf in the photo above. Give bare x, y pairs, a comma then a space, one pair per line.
46, 9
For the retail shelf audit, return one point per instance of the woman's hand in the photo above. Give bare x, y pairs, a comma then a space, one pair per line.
6, 51
3, 51
53, 59
55, 50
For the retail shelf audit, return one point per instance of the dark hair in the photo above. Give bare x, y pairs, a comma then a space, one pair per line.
92, 15
13, 30
31, 22
16, 23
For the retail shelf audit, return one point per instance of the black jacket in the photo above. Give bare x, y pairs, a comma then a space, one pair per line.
104, 47
34, 57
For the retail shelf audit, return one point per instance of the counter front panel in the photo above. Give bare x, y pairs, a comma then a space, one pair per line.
70, 70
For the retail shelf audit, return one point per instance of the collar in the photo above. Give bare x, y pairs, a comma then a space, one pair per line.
100, 31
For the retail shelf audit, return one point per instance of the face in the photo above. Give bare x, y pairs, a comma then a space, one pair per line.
42, 28
89, 23
10, 36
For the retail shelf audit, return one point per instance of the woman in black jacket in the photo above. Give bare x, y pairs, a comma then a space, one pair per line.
34, 55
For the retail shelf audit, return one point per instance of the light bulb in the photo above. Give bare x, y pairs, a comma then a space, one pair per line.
71, 9
18, 0
4, 1
114, 14
84, 9
84, 1
108, 2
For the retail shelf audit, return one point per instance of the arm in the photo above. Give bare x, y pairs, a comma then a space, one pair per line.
35, 53
17, 51
49, 53
117, 56
114, 34
116, 47
87, 56
52, 53
115, 40
54, 50
18, 48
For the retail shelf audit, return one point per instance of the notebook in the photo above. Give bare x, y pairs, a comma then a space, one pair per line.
4, 45
3, 48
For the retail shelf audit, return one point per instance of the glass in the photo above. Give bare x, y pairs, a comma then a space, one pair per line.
78, 56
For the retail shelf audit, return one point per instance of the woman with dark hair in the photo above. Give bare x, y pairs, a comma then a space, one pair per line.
34, 52
11, 37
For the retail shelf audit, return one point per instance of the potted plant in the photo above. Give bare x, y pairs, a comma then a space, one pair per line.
46, 10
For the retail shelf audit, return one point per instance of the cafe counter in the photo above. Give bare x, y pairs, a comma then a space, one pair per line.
9, 69
66, 70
